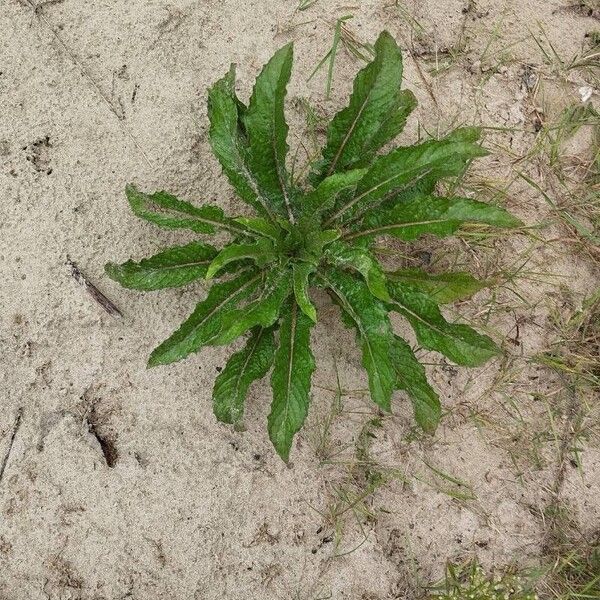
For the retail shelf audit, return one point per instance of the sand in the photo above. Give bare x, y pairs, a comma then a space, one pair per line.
119, 482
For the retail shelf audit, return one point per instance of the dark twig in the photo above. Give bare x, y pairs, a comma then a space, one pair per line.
13, 435
93, 291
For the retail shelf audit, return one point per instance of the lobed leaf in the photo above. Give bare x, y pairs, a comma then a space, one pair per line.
374, 331
444, 288
412, 379
391, 126
167, 211
174, 267
292, 371
361, 260
262, 310
433, 215
460, 343
244, 367
228, 141
264, 122
206, 320
406, 167
376, 113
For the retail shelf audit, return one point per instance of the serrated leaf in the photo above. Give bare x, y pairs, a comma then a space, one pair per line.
262, 310
174, 267
267, 130
324, 196
167, 211
301, 272
206, 320
460, 343
392, 126
261, 252
374, 331
244, 367
443, 287
425, 186
412, 379
228, 141
404, 168
372, 116
361, 260
292, 371
434, 215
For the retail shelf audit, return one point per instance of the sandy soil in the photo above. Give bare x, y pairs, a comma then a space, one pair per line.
97, 94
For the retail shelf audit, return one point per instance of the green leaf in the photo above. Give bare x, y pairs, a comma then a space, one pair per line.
262, 310
425, 186
292, 371
406, 167
228, 141
432, 215
167, 211
267, 132
443, 287
361, 260
460, 343
373, 115
374, 331
260, 252
324, 196
412, 379
392, 126
301, 272
244, 367
261, 226
174, 267
206, 320
316, 240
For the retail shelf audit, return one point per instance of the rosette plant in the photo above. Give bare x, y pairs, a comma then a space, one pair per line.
317, 234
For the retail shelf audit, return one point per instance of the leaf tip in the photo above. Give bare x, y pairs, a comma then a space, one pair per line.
110, 269
130, 190
154, 360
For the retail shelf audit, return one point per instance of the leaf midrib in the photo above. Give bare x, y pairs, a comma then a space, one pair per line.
356, 319
366, 232
174, 214
247, 362
432, 326
290, 362
354, 201
229, 298
342, 147
167, 267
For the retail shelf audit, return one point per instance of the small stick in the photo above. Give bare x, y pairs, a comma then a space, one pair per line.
93, 291
13, 435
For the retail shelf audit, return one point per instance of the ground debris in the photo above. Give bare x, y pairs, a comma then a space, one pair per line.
11, 441
94, 292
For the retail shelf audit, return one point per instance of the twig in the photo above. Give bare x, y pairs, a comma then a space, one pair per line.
13, 435
93, 291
